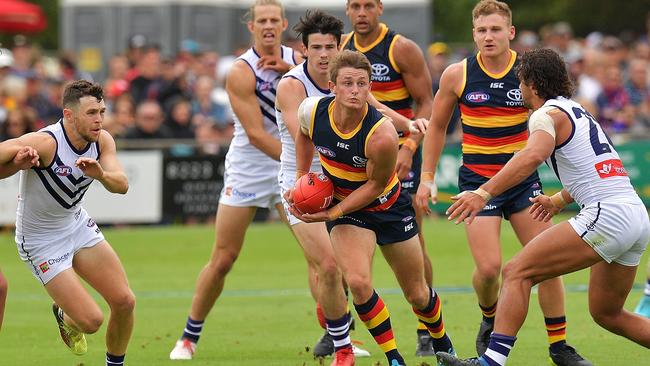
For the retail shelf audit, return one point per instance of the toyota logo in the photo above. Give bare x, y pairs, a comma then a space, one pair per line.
379, 70
515, 94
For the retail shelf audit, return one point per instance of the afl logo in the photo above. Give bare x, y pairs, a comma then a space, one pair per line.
63, 170
325, 151
478, 97
514, 94
264, 86
379, 70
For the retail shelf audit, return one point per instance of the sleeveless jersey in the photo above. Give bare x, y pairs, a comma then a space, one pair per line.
49, 197
288, 156
343, 155
387, 84
494, 119
267, 82
587, 164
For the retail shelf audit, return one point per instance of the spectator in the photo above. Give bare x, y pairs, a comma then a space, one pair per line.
19, 122
616, 114
207, 110
116, 82
37, 99
123, 116
638, 89
147, 84
179, 119
148, 122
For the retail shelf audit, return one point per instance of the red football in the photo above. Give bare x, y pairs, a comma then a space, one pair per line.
312, 193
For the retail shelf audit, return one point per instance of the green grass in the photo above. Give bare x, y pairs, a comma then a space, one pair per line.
266, 316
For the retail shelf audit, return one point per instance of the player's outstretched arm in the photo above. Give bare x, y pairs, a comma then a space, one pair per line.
108, 169
27, 151
240, 86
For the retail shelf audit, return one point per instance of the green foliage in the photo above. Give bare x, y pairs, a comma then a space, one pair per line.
266, 315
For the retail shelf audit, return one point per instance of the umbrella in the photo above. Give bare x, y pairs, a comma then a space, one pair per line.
18, 16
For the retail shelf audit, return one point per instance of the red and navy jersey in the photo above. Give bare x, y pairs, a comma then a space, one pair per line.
387, 84
343, 155
493, 116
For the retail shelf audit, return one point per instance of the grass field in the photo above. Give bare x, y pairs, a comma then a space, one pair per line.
266, 316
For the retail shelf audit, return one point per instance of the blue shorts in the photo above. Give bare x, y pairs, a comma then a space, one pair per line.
390, 226
507, 203
412, 180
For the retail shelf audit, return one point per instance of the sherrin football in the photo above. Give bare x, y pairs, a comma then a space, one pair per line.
312, 193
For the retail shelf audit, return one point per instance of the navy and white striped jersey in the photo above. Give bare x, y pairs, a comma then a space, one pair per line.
50, 196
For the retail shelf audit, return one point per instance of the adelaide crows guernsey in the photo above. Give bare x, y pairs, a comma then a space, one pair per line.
343, 155
494, 119
387, 84
50, 196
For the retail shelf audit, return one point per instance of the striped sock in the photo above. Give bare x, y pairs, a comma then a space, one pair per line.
498, 350
112, 360
321, 316
431, 317
646, 291
489, 312
375, 316
339, 329
556, 330
193, 329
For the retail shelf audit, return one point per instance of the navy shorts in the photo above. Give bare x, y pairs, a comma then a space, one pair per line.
507, 203
390, 226
412, 180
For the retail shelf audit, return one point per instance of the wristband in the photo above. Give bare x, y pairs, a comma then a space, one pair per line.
334, 213
558, 200
426, 177
300, 173
410, 144
483, 193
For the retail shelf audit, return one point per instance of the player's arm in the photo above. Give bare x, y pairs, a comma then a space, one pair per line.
304, 144
289, 95
108, 170
381, 151
24, 152
401, 123
434, 139
278, 64
240, 86
540, 146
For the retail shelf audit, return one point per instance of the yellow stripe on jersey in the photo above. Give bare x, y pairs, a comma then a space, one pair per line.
345, 135
391, 58
496, 121
313, 119
503, 149
390, 185
391, 95
372, 130
344, 174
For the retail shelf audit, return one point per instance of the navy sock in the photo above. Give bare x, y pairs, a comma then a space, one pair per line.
112, 360
193, 329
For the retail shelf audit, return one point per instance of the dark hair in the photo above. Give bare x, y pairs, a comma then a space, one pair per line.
316, 21
348, 58
79, 89
545, 70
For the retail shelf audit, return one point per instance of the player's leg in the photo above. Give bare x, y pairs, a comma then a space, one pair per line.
114, 288
3, 296
643, 308
484, 244
405, 259
609, 285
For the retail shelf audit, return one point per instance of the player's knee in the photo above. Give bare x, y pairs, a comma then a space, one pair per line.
605, 318
488, 272
418, 296
124, 303
328, 272
360, 286
223, 264
513, 271
4, 286
90, 322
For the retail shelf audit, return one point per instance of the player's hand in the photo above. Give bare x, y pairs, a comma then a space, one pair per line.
419, 125
465, 208
288, 196
426, 191
26, 158
543, 208
404, 163
315, 217
273, 62
90, 168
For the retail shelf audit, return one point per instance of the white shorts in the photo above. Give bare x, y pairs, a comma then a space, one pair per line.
286, 180
618, 232
246, 184
48, 255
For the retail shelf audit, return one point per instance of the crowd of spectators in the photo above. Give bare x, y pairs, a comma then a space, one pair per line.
151, 96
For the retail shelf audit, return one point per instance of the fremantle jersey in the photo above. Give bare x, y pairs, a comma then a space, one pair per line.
387, 83
494, 119
267, 82
587, 163
49, 197
288, 156
343, 155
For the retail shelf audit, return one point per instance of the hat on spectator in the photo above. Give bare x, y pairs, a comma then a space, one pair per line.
6, 58
20, 41
137, 41
438, 48
190, 46
611, 43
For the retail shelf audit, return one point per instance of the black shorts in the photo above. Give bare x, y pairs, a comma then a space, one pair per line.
507, 203
390, 226
412, 180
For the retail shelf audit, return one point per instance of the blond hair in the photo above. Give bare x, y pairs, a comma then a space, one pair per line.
348, 58
250, 14
489, 7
